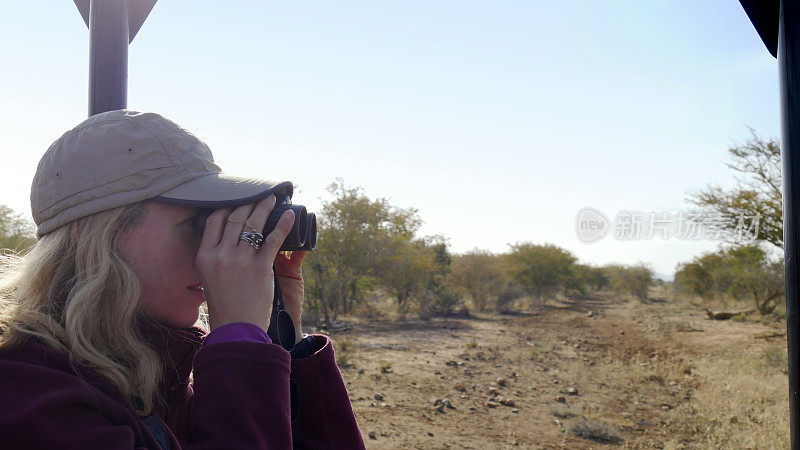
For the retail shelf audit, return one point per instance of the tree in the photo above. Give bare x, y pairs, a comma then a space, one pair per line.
595, 277
540, 270
478, 275
741, 273
746, 268
755, 276
702, 276
353, 231
438, 297
406, 270
634, 280
16, 232
758, 192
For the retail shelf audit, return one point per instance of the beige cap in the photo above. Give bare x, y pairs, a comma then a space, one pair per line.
120, 157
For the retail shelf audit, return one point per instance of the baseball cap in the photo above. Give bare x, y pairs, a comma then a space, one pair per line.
121, 157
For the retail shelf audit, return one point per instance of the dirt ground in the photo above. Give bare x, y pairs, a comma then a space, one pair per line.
577, 374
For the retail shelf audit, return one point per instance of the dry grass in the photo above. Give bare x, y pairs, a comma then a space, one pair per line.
671, 379
738, 385
743, 402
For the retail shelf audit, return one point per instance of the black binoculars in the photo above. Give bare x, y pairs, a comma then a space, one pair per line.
302, 236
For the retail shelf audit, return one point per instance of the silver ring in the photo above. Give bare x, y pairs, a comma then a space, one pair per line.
254, 239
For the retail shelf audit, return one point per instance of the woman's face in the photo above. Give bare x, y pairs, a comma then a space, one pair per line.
162, 251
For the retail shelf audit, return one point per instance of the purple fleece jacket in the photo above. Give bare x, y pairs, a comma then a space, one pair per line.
239, 398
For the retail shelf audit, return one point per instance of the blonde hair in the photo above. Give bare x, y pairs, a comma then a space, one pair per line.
74, 291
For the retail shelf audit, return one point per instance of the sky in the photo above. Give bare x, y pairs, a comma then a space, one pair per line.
499, 121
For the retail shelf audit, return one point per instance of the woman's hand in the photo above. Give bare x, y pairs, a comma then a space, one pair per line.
237, 278
290, 280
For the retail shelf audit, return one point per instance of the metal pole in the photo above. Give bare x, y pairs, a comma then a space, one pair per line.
108, 55
788, 60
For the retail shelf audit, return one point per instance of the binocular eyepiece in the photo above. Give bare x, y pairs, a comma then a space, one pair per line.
302, 236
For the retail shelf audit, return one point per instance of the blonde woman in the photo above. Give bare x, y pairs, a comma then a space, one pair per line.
101, 343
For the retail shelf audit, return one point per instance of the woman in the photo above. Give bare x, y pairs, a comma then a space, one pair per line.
101, 345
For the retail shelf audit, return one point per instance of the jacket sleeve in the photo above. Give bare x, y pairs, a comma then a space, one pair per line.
325, 416
241, 397
237, 331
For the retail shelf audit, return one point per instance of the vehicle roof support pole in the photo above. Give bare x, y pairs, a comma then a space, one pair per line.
788, 64
108, 55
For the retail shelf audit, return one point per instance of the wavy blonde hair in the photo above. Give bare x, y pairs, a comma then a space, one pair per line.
75, 291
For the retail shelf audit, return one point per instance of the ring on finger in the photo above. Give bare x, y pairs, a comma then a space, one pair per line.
254, 239
250, 235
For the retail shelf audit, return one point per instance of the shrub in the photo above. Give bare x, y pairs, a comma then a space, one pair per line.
595, 430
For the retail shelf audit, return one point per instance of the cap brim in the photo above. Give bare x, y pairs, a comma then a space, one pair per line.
221, 190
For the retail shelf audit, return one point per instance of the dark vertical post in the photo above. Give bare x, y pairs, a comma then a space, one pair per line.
108, 55
788, 63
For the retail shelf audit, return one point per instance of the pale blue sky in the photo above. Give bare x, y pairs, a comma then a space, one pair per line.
497, 120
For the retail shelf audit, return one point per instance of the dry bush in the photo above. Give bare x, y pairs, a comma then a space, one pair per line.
344, 348
344, 344
562, 412
342, 360
595, 430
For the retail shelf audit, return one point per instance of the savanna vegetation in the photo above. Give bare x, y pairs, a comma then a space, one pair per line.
369, 249
748, 275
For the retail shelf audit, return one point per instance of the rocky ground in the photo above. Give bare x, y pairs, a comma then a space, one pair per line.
579, 374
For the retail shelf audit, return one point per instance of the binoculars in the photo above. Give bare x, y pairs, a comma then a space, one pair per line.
302, 236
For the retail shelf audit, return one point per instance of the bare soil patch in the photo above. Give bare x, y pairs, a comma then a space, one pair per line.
579, 374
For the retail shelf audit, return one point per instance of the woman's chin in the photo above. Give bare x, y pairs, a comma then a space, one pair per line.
191, 321
185, 321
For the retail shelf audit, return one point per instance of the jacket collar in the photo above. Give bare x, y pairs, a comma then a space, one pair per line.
177, 348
